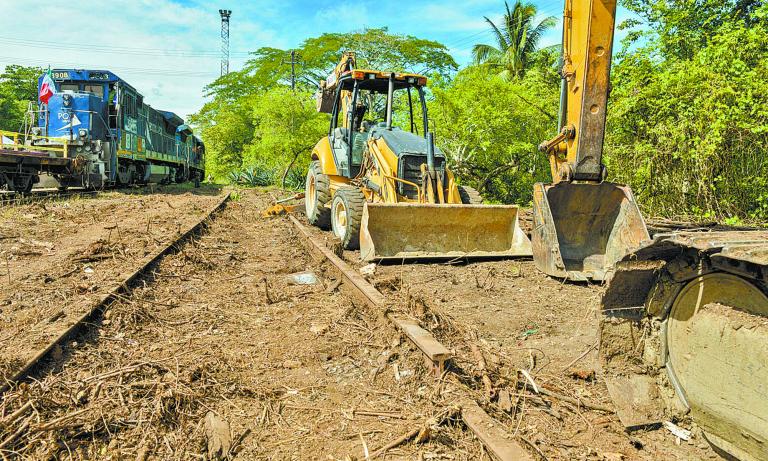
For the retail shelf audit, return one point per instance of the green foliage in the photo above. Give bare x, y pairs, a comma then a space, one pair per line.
286, 127
18, 87
264, 131
255, 121
688, 133
295, 179
375, 48
226, 128
490, 129
252, 177
517, 40
682, 27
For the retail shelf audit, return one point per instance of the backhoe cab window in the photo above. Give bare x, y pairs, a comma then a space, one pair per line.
364, 104
372, 110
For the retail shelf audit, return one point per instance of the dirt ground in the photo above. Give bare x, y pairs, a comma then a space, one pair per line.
58, 258
222, 352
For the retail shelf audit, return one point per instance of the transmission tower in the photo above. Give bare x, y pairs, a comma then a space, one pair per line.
225, 14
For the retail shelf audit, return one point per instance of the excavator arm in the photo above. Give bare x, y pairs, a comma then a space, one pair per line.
684, 332
582, 224
576, 153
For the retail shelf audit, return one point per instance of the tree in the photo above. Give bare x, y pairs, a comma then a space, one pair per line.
516, 40
490, 132
286, 128
682, 27
687, 131
18, 87
244, 124
375, 48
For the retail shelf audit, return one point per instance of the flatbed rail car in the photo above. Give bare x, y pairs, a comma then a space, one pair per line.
96, 131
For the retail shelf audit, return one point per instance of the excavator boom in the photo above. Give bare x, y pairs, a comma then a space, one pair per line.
583, 225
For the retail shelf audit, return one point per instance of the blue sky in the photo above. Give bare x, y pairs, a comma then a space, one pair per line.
168, 49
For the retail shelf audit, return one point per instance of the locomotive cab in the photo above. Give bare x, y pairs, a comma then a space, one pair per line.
108, 135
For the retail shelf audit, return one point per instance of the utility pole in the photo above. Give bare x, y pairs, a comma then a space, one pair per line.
225, 14
293, 63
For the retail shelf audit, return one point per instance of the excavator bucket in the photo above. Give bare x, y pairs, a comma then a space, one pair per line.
581, 230
404, 231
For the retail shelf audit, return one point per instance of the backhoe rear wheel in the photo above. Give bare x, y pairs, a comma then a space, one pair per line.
346, 214
470, 196
317, 195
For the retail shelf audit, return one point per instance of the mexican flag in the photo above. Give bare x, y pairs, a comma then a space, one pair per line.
47, 88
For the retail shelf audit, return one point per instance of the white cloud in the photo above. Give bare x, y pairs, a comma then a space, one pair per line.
133, 38
130, 38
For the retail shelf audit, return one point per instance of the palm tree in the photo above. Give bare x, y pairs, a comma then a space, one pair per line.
516, 40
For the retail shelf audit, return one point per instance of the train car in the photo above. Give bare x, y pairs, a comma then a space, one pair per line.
107, 135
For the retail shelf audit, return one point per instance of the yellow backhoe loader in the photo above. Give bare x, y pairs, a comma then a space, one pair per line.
378, 181
684, 331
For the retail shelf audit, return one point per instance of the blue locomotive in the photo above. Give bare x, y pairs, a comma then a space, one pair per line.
96, 131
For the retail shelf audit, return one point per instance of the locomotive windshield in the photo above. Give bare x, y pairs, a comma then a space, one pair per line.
96, 89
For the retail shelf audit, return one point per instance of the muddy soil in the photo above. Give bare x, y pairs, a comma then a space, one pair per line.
521, 319
223, 353
59, 258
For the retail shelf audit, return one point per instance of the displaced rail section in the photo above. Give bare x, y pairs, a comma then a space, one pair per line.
496, 440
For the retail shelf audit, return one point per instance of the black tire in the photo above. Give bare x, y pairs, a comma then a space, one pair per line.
318, 194
470, 196
346, 215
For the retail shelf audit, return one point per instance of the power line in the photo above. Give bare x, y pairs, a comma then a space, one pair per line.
121, 70
293, 55
116, 49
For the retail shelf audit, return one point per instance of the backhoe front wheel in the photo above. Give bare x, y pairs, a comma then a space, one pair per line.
470, 196
346, 214
317, 195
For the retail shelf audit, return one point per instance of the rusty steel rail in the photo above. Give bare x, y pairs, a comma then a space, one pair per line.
489, 431
433, 351
45, 195
114, 294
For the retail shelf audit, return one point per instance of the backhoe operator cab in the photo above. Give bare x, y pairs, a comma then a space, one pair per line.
373, 105
378, 181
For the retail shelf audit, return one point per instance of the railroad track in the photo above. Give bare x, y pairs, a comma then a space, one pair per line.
9, 198
36, 364
489, 431
43, 195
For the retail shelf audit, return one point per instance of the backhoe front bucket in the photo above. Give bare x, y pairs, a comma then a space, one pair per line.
581, 230
407, 231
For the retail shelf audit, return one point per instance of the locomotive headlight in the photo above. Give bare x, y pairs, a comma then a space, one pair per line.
82, 132
67, 100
